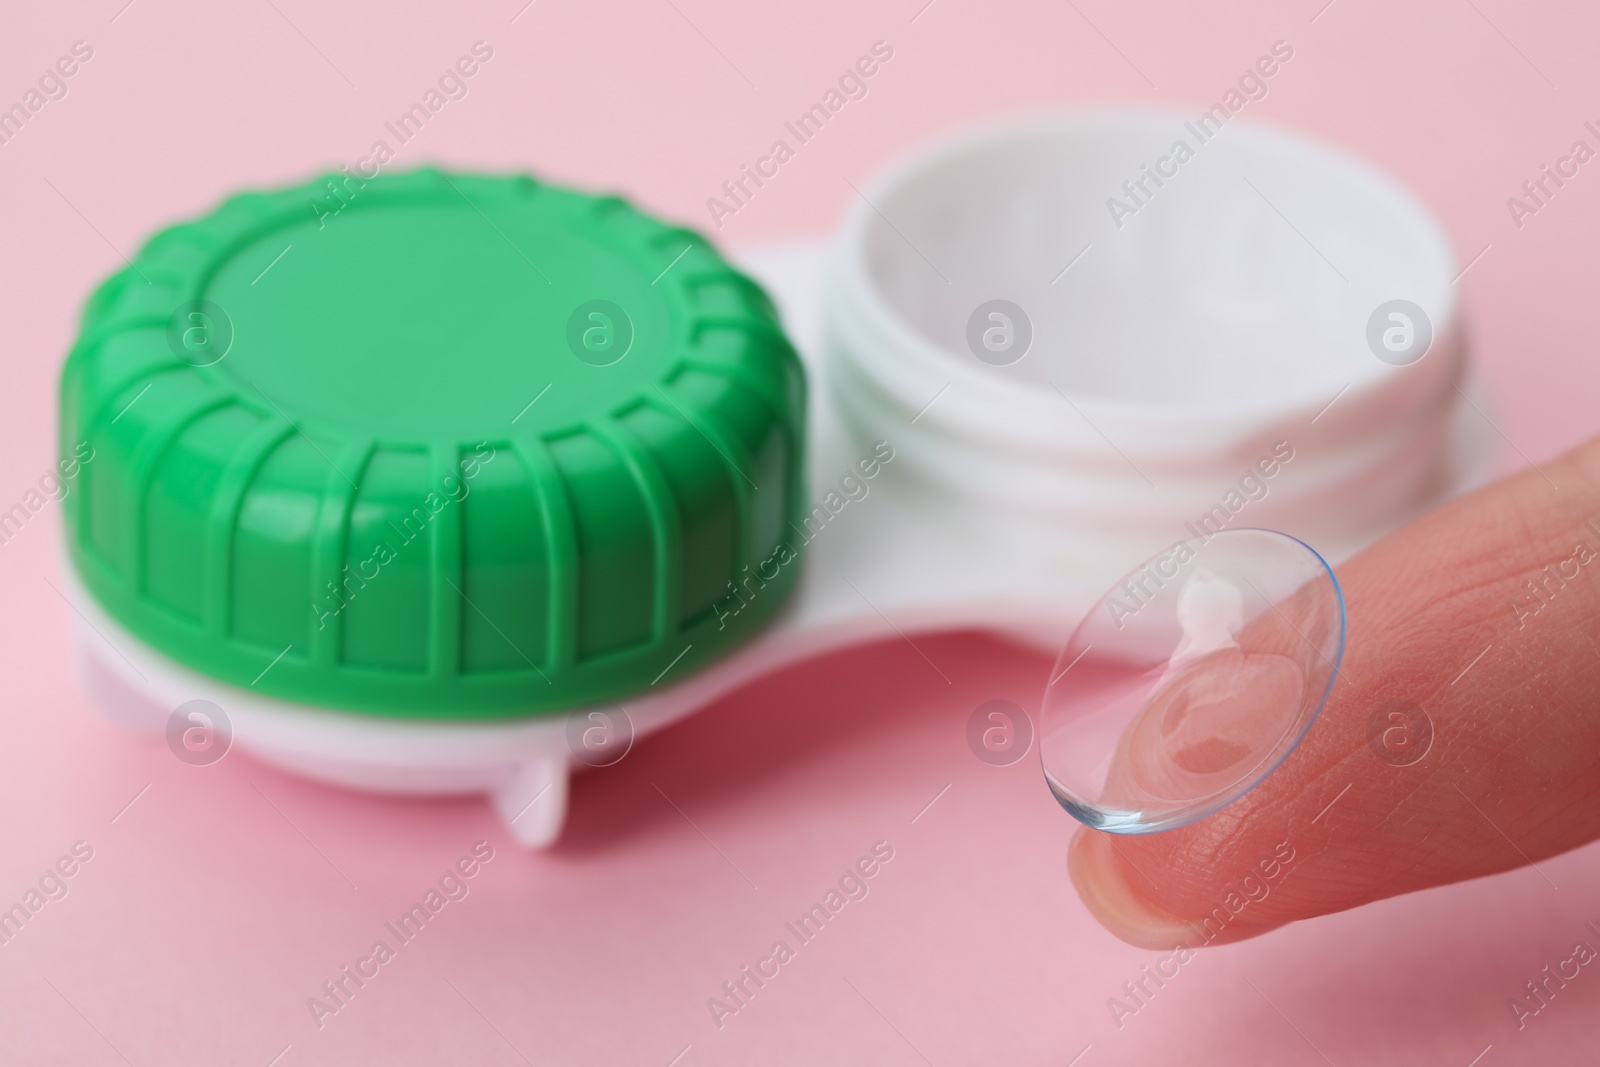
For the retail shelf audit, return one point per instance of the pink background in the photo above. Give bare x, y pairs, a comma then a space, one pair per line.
218, 902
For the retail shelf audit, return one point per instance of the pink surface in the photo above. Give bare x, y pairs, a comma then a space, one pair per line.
218, 902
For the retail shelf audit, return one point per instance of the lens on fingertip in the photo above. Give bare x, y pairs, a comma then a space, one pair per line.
1191, 680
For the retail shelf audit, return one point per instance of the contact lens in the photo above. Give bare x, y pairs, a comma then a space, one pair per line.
1191, 680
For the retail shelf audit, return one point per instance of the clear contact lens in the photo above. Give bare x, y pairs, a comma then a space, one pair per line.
1191, 680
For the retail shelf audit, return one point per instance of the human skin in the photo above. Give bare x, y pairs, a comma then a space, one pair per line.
1511, 776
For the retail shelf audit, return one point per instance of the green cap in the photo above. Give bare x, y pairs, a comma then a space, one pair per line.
434, 446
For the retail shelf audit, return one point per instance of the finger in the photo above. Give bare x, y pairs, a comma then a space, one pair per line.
1481, 620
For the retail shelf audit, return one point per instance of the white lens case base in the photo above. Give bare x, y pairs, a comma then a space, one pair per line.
1182, 338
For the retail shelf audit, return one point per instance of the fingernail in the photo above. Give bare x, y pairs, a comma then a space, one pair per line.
1102, 882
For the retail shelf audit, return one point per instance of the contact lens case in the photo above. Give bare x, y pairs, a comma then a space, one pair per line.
478, 480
